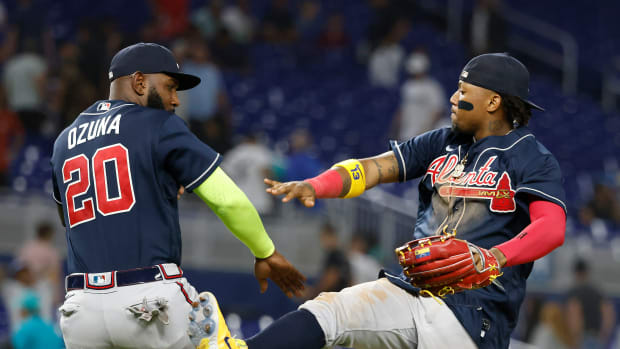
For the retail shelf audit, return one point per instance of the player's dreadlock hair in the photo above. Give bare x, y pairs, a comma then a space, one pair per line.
516, 111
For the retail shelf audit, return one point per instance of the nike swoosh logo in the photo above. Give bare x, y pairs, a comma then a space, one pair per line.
226, 339
450, 148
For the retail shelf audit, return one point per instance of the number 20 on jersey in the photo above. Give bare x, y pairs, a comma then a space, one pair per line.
116, 154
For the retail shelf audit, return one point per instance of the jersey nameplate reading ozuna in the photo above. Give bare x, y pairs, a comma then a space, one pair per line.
91, 130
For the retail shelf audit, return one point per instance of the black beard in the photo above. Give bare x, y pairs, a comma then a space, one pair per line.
456, 129
459, 132
153, 100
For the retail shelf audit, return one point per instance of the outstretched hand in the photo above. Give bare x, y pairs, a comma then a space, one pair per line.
282, 272
301, 190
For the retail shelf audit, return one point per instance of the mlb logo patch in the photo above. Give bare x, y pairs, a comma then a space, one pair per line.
170, 271
100, 280
423, 252
103, 106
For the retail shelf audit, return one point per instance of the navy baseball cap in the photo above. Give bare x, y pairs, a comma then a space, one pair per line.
501, 73
149, 58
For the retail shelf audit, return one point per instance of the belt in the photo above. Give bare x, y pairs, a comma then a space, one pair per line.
119, 278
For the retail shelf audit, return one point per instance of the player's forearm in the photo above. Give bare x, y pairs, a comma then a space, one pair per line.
352, 177
236, 211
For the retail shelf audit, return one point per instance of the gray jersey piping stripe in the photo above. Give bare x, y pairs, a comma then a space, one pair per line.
204, 173
57, 201
107, 111
402, 161
501, 149
543, 193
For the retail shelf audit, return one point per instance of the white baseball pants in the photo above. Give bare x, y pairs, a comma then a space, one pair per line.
379, 314
97, 319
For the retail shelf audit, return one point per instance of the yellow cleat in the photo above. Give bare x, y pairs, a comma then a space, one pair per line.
233, 343
207, 328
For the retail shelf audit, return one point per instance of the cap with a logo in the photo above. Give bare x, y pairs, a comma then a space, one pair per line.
149, 58
501, 73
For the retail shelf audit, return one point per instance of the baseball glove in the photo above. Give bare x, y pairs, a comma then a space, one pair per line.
442, 265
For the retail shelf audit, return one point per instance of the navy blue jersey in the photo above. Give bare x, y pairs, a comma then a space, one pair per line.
482, 189
116, 172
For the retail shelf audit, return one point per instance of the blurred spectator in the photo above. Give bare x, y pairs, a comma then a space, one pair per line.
114, 40
8, 37
335, 273
34, 332
364, 267
590, 315
28, 21
229, 54
43, 259
239, 20
171, 17
385, 61
90, 54
86, 52
207, 109
25, 81
208, 18
552, 330
278, 24
487, 28
248, 164
301, 163
309, 20
333, 35
422, 99
386, 15
529, 317
74, 91
11, 139
603, 205
21, 281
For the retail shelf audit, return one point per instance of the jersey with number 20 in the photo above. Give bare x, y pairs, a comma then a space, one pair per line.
116, 171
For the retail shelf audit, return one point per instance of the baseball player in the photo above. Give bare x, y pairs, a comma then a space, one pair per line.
116, 172
487, 184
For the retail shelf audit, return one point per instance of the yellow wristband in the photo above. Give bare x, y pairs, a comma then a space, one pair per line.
358, 177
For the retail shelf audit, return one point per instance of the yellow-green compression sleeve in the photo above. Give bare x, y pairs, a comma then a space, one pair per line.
234, 208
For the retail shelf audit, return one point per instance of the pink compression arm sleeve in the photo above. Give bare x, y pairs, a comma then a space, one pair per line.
545, 233
327, 185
